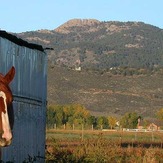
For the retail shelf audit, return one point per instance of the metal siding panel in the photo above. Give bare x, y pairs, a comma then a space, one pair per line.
30, 65
31, 74
29, 131
30, 92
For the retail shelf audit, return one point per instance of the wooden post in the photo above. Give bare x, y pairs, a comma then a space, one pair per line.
73, 126
132, 142
152, 136
55, 126
135, 135
82, 132
64, 126
92, 127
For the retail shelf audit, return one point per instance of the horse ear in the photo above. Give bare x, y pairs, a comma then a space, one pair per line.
10, 75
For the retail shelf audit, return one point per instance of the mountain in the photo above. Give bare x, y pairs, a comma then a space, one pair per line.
101, 45
121, 65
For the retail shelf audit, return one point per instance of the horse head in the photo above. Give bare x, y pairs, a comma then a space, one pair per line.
6, 110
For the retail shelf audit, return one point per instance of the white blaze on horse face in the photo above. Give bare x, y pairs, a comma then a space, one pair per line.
5, 120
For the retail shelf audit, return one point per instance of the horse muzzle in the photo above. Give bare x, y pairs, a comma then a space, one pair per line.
4, 143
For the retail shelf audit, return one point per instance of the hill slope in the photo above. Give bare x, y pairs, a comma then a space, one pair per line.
106, 93
102, 45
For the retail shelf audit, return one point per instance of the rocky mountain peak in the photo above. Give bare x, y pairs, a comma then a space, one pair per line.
65, 28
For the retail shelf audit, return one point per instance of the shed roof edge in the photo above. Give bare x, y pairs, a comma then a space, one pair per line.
20, 41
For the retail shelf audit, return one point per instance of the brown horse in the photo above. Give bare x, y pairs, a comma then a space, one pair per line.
6, 99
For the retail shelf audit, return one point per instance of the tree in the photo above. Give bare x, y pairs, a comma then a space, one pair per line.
50, 117
81, 114
54, 115
59, 116
112, 121
159, 114
68, 111
91, 121
129, 120
102, 122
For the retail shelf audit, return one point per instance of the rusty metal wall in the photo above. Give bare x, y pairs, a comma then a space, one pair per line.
30, 92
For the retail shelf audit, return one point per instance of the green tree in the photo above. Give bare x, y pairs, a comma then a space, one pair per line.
54, 115
102, 122
59, 116
91, 121
112, 121
81, 114
129, 120
50, 117
159, 114
68, 114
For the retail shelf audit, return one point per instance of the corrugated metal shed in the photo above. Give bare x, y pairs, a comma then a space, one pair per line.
30, 93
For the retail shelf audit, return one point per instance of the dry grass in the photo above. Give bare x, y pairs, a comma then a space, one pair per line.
99, 149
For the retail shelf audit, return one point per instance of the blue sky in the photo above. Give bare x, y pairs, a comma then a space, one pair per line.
21, 16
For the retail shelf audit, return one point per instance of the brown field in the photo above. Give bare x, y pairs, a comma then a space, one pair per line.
103, 146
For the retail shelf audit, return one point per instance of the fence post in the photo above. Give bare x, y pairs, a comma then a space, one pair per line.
55, 126
82, 132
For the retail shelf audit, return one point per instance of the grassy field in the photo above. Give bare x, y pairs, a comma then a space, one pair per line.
113, 135
103, 146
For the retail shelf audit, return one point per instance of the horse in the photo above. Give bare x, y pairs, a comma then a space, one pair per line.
6, 109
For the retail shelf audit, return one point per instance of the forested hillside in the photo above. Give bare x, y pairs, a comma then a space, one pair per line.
102, 45
121, 65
